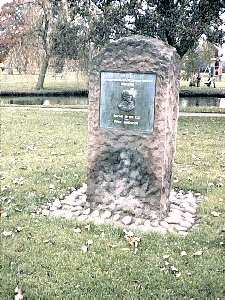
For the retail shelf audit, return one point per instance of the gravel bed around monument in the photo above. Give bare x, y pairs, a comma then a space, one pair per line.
181, 218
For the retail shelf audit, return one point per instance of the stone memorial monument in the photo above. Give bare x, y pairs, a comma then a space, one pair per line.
133, 110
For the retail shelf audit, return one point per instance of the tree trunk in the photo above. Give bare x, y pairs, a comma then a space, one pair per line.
43, 70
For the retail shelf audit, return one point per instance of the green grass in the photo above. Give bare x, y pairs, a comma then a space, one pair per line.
203, 109
71, 81
45, 258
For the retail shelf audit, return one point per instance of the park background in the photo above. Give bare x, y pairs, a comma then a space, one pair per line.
46, 46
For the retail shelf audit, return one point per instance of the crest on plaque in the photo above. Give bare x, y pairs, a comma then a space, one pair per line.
127, 102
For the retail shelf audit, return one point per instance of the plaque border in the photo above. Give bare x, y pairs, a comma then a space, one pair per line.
125, 129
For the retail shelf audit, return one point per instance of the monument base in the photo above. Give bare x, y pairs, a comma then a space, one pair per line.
180, 218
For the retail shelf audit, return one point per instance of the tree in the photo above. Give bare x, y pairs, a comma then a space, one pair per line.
46, 29
58, 35
178, 22
13, 24
198, 59
63, 29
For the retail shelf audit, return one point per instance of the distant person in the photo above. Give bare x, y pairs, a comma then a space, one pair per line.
192, 81
2, 67
220, 73
214, 81
211, 80
198, 79
212, 71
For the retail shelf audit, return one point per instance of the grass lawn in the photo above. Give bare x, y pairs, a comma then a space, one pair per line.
71, 81
203, 109
44, 153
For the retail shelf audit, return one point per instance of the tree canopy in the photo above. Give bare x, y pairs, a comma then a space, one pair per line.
13, 24
198, 59
71, 29
178, 22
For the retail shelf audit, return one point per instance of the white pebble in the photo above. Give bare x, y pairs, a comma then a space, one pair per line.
107, 214
127, 220
147, 223
164, 224
116, 217
95, 214
87, 211
82, 218
45, 212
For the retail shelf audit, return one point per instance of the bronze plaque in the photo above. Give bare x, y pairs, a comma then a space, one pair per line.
127, 101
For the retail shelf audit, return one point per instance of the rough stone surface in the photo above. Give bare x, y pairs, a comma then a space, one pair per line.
128, 168
177, 221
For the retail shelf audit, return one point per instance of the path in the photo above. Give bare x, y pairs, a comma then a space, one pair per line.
60, 109
195, 114
44, 108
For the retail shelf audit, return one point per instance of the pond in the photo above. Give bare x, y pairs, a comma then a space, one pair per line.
46, 101
57, 101
200, 101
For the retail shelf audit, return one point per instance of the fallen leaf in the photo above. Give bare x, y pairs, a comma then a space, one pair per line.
77, 230
215, 214
88, 227
19, 293
198, 253
113, 246
31, 147
18, 180
23, 167
49, 241
4, 214
132, 240
183, 253
7, 233
166, 256
18, 229
6, 189
84, 248
173, 269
